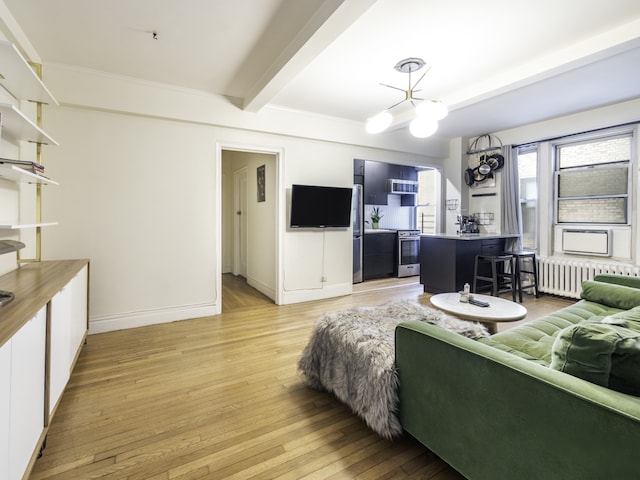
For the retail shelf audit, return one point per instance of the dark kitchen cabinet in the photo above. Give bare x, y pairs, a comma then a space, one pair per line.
380, 255
358, 172
376, 179
403, 172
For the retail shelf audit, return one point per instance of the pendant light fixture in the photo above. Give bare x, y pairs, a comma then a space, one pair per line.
427, 112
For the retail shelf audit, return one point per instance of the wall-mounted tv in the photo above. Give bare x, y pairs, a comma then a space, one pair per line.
314, 206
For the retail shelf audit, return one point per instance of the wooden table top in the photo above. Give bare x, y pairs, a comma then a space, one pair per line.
33, 285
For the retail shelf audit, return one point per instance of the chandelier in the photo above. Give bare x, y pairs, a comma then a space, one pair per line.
427, 112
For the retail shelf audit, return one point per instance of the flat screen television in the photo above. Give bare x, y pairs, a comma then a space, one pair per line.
314, 206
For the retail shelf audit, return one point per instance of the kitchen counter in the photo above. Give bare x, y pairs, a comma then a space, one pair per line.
378, 230
472, 236
447, 261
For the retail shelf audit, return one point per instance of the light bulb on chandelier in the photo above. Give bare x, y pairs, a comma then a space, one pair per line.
432, 109
379, 123
428, 112
423, 127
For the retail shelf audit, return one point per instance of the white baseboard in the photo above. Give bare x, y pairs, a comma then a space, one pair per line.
262, 287
109, 323
329, 291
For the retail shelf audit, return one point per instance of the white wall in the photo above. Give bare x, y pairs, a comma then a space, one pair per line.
136, 197
140, 197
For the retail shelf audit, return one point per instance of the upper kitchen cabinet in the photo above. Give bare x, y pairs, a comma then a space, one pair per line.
377, 178
358, 172
403, 172
407, 174
376, 183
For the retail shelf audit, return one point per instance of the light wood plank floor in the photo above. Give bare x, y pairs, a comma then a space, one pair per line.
221, 398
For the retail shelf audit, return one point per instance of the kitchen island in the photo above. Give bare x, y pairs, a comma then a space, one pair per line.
447, 261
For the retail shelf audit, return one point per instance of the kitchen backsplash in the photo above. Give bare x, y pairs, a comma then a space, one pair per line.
394, 216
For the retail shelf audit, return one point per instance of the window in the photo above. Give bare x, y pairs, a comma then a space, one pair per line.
427, 201
528, 175
592, 180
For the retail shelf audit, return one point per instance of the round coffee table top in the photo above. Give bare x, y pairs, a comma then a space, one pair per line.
499, 309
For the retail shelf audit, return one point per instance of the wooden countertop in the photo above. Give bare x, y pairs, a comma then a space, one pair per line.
33, 285
472, 236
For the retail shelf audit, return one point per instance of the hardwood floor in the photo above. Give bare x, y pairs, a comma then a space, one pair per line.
221, 398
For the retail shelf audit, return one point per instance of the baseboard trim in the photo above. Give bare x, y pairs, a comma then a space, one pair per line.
262, 287
109, 323
298, 296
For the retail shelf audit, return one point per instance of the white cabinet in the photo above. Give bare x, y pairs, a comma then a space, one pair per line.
27, 393
41, 333
78, 287
5, 394
68, 318
59, 348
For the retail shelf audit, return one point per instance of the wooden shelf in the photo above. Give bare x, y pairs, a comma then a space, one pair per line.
20, 127
19, 175
19, 226
19, 78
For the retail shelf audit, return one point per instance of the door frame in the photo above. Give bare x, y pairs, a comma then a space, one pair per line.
278, 154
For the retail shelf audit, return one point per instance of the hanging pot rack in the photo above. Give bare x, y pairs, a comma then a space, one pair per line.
487, 147
492, 143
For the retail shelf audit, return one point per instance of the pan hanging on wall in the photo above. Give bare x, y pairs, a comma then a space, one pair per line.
488, 148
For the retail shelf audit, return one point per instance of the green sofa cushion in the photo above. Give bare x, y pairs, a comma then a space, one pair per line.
612, 295
533, 340
603, 353
626, 280
627, 318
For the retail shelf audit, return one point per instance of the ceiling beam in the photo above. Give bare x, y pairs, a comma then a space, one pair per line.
324, 26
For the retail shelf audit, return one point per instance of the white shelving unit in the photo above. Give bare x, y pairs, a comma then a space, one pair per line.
19, 78
16, 174
20, 226
20, 127
23, 83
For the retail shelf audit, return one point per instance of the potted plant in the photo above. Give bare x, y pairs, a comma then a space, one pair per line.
375, 217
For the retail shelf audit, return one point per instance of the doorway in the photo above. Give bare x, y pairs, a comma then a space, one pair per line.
249, 214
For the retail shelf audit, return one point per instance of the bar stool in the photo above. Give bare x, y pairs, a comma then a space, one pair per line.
503, 274
521, 256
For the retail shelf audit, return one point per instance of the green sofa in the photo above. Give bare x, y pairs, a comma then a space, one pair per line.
502, 408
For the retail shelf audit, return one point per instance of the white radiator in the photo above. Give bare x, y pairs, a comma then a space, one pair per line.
564, 277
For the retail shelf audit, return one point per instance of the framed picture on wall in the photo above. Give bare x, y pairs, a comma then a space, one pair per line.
261, 181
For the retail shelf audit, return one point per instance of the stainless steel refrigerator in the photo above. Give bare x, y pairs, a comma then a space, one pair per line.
358, 231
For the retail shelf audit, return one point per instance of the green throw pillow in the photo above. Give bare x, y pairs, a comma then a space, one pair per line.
616, 296
627, 318
601, 353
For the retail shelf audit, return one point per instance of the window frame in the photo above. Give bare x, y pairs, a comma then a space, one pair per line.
523, 150
592, 137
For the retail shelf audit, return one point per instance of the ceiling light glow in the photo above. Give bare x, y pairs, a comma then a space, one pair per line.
427, 112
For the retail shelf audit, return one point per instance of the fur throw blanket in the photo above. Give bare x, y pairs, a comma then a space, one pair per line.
352, 354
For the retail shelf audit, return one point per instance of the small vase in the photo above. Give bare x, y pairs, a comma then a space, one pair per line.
374, 225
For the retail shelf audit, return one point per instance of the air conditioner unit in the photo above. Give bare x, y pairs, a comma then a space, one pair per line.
587, 242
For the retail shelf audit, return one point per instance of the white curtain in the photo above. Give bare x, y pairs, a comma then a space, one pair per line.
511, 215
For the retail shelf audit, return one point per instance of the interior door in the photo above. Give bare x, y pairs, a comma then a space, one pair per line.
240, 223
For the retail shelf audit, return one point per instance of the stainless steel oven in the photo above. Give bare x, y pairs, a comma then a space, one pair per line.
408, 253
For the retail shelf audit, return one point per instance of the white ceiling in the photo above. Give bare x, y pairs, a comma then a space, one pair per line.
496, 63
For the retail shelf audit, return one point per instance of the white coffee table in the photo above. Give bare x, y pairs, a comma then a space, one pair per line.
499, 309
